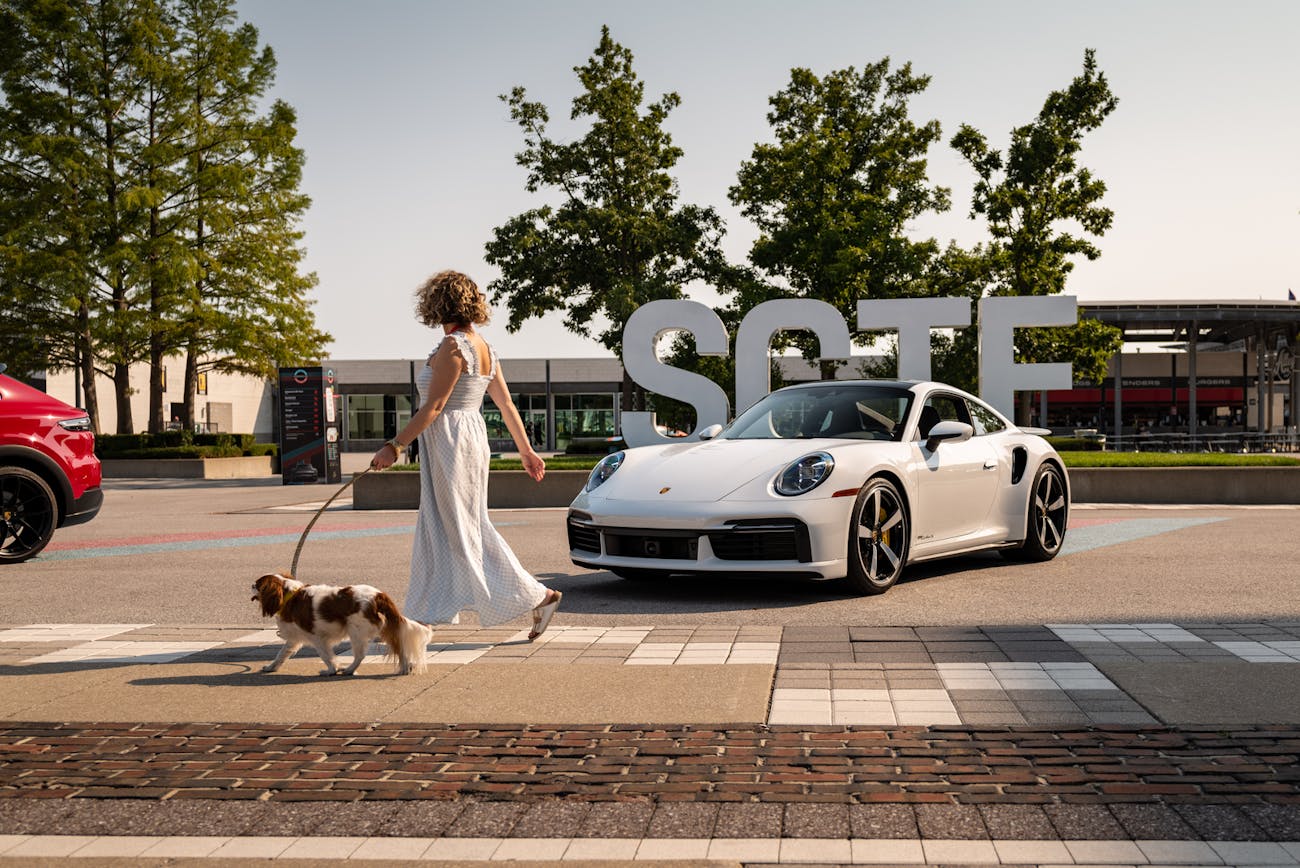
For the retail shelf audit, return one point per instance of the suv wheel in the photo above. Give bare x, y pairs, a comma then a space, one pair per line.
28, 514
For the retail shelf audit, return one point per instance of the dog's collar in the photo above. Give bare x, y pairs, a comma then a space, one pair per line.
293, 595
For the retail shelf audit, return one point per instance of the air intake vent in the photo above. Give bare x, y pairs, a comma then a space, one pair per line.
1019, 458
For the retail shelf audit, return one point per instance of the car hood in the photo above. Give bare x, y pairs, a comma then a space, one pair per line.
702, 472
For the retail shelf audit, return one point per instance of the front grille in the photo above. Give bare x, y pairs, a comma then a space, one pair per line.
583, 538
682, 546
762, 540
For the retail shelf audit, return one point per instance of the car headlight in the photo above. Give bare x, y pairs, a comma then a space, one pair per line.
604, 470
81, 423
805, 474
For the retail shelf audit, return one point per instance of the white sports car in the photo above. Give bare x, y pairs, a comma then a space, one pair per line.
853, 478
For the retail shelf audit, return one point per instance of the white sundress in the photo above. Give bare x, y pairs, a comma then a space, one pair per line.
459, 560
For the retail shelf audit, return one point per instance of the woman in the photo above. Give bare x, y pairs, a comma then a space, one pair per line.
460, 561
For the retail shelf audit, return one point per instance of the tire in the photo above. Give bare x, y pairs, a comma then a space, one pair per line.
1048, 515
879, 535
635, 575
29, 514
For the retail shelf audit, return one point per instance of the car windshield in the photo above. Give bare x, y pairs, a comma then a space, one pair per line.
841, 412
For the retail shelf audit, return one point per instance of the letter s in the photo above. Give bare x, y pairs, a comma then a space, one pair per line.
644, 328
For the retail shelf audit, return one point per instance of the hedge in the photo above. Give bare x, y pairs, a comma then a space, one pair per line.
180, 444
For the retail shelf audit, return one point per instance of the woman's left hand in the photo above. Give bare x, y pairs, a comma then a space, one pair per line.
384, 458
534, 465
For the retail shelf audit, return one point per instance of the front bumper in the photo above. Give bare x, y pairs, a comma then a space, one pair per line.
84, 508
748, 537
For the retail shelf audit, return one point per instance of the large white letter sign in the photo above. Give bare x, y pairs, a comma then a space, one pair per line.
640, 336
1000, 376
753, 373
913, 317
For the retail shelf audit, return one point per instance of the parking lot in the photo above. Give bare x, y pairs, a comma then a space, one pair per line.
185, 552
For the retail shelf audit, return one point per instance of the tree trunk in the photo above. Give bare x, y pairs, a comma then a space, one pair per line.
1024, 407
157, 414
191, 386
86, 362
122, 386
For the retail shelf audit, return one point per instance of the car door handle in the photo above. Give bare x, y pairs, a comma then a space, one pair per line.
990, 465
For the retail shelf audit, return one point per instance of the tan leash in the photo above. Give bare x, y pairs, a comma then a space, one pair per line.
293, 568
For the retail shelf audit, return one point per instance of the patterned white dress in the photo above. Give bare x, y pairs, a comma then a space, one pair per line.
460, 560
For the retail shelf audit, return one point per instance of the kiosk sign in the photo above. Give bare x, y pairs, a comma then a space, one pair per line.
309, 434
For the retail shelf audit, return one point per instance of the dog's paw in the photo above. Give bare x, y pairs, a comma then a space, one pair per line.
270, 667
328, 672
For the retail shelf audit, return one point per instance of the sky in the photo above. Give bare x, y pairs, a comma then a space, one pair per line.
410, 153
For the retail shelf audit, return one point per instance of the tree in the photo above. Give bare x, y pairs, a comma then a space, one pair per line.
245, 304
833, 195
618, 237
1025, 197
149, 209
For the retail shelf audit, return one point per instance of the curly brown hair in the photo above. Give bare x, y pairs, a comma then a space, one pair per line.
450, 297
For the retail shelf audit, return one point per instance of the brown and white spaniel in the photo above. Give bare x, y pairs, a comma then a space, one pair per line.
325, 615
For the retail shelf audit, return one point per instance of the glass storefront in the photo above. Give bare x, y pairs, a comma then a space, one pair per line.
377, 417
583, 416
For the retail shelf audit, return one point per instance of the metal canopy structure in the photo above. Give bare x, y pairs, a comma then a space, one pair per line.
1257, 324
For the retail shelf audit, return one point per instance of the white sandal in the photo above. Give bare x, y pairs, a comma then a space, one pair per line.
542, 616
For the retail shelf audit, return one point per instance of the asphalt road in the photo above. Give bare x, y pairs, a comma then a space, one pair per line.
180, 552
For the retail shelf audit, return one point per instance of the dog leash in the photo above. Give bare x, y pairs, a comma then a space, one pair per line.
293, 568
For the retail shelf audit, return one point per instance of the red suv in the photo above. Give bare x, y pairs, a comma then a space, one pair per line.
49, 475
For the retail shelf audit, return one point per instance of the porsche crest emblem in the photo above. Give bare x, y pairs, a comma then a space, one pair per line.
665, 489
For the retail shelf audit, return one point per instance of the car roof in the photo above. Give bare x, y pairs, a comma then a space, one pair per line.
895, 384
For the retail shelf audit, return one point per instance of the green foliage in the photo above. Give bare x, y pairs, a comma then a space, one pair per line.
180, 443
833, 195
148, 202
1075, 444
617, 237
1172, 459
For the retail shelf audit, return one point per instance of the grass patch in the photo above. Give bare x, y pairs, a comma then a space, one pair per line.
1174, 459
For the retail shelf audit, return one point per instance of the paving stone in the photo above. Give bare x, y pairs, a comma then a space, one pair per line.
882, 634
617, 820
1220, 823
1085, 823
882, 821
749, 820
683, 820
1151, 822
950, 822
486, 820
422, 819
1280, 822
1017, 822
816, 821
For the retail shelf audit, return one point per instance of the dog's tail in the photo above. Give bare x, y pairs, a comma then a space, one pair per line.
407, 640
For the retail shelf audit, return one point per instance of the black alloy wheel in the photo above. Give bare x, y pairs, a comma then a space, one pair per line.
878, 538
28, 514
1049, 513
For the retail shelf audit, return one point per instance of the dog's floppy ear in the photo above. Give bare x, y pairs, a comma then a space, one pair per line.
270, 594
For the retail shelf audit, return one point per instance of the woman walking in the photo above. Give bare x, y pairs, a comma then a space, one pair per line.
460, 561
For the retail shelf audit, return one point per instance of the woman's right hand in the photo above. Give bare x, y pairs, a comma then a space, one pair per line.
534, 465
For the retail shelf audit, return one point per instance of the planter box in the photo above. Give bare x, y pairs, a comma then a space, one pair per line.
188, 468
1218, 485
507, 489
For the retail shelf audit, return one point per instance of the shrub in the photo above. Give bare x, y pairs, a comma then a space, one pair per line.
180, 444
1076, 444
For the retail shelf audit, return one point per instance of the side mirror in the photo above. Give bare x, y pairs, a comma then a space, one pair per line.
710, 432
957, 432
